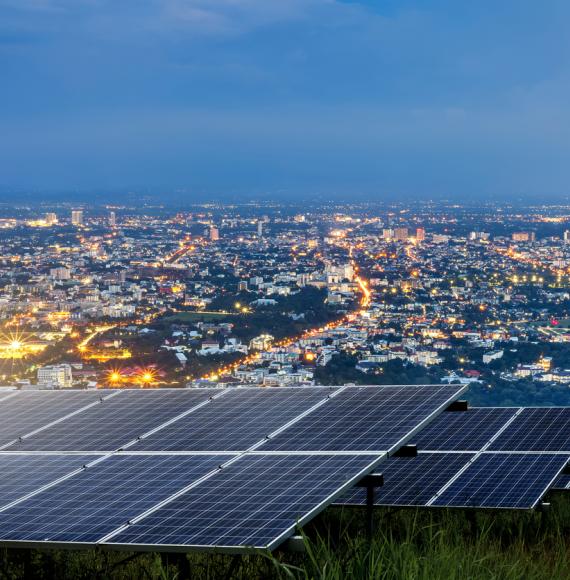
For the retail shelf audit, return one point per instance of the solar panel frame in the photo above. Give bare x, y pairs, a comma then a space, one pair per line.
554, 462
407, 480
241, 419
113, 541
29, 473
467, 430
116, 422
344, 419
43, 416
523, 433
451, 393
86, 506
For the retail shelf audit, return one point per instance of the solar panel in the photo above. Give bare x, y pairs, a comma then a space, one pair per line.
91, 504
23, 474
563, 482
365, 419
255, 501
411, 481
504, 480
235, 421
31, 410
537, 429
463, 430
177, 495
116, 421
8, 394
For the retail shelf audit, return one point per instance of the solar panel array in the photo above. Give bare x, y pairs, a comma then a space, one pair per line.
204, 469
483, 457
255, 501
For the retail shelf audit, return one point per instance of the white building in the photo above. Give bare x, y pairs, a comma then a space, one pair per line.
492, 355
58, 376
77, 217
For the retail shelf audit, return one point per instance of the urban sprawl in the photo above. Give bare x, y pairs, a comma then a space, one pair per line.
278, 295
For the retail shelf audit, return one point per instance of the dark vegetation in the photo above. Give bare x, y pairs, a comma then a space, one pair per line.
341, 370
407, 544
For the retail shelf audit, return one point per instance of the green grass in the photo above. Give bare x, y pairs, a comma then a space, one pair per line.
183, 317
407, 545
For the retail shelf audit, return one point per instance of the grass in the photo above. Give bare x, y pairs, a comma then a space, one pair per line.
407, 545
182, 317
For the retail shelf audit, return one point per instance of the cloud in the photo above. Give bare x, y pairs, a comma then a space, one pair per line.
230, 17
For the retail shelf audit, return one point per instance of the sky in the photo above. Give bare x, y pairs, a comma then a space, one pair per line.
286, 98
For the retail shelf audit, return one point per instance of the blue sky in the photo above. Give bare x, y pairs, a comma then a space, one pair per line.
286, 97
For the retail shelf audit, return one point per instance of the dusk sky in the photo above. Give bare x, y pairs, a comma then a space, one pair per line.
286, 97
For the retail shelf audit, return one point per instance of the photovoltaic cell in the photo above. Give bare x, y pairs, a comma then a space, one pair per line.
411, 481
30, 410
537, 429
563, 482
463, 430
504, 480
254, 501
235, 421
115, 421
364, 419
23, 474
7, 394
91, 504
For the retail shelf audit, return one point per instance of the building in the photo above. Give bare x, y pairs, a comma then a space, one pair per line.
242, 286
51, 218
77, 217
473, 236
336, 274
60, 273
55, 376
261, 342
420, 234
214, 234
523, 236
401, 234
567, 237
492, 355
260, 228
112, 219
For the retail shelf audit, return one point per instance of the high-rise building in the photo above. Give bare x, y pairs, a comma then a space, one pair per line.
260, 228
112, 219
214, 234
401, 234
567, 237
523, 237
77, 217
51, 218
420, 234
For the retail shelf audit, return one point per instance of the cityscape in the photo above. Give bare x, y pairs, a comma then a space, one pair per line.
284, 290
277, 295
